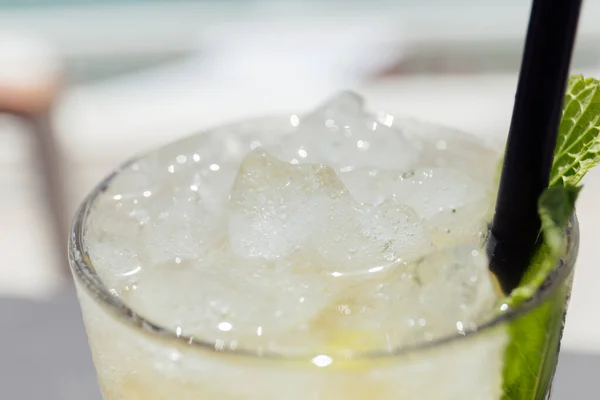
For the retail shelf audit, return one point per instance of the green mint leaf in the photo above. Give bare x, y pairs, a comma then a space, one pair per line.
532, 354
578, 141
555, 207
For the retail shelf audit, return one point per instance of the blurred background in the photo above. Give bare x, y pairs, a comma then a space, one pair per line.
86, 84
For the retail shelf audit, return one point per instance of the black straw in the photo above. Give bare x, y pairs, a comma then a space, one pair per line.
532, 137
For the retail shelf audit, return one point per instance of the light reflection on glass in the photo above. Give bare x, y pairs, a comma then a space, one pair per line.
322, 360
460, 328
363, 145
225, 326
175, 355
133, 271
389, 120
386, 119
294, 120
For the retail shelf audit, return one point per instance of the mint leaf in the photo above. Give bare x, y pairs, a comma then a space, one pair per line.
532, 354
555, 207
578, 141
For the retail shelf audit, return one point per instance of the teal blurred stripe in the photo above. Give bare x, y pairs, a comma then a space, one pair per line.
18, 4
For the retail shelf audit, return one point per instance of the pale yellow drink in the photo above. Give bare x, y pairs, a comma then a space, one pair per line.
332, 255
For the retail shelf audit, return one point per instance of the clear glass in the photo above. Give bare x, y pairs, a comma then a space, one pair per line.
137, 359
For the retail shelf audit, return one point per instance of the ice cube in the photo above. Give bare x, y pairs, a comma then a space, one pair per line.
427, 190
443, 293
361, 237
236, 301
117, 266
374, 186
444, 147
275, 207
182, 229
462, 225
433, 190
342, 133
456, 286
112, 223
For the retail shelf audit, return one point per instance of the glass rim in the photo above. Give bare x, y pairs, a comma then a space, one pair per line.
84, 271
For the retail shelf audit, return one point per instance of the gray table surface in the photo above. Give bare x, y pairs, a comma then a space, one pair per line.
44, 355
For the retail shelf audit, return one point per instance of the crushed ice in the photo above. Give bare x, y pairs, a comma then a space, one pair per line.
342, 222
